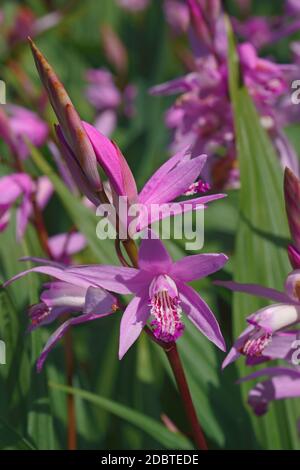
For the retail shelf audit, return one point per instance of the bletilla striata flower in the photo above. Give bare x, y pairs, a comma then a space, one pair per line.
268, 334
159, 288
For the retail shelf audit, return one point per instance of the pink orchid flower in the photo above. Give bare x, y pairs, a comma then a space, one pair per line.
173, 179
21, 186
107, 99
58, 299
64, 245
160, 291
282, 382
267, 335
18, 123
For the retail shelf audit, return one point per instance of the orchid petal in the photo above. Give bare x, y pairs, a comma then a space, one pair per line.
177, 182
61, 331
199, 313
121, 280
44, 191
198, 266
113, 162
255, 289
55, 272
133, 321
153, 256
282, 383
162, 172
66, 244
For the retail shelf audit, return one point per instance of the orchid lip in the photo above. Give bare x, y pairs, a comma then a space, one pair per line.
256, 343
165, 309
38, 313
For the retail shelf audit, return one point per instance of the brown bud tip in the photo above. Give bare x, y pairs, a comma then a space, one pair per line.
68, 119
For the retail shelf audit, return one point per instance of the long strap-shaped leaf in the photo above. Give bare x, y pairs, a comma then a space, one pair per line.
150, 426
260, 245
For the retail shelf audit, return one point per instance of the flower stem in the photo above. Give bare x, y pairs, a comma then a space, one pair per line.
183, 388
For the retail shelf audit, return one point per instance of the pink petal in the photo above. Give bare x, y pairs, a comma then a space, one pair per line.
113, 278
150, 186
199, 313
66, 244
113, 162
61, 331
153, 256
44, 191
255, 289
176, 182
198, 266
133, 321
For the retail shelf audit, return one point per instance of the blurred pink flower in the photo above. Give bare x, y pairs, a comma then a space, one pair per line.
108, 100
20, 186
177, 15
202, 115
18, 123
26, 24
262, 31
64, 245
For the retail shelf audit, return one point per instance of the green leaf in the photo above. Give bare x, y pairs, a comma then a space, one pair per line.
261, 242
146, 424
11, 439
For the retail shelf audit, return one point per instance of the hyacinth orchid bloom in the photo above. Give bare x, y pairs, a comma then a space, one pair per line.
173, 179
60, 298
202, 115
282, 382
17, 124
20, 185
176, 177
266, 335
159, 288
64, 245
106, 98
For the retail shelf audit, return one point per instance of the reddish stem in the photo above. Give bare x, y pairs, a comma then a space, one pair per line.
183, 388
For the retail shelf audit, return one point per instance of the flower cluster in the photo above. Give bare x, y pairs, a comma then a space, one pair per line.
202, 114
158, 285
272, 331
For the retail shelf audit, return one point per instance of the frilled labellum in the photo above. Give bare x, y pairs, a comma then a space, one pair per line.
165, 309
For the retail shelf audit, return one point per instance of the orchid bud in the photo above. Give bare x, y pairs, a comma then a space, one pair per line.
69, 120
292, 204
